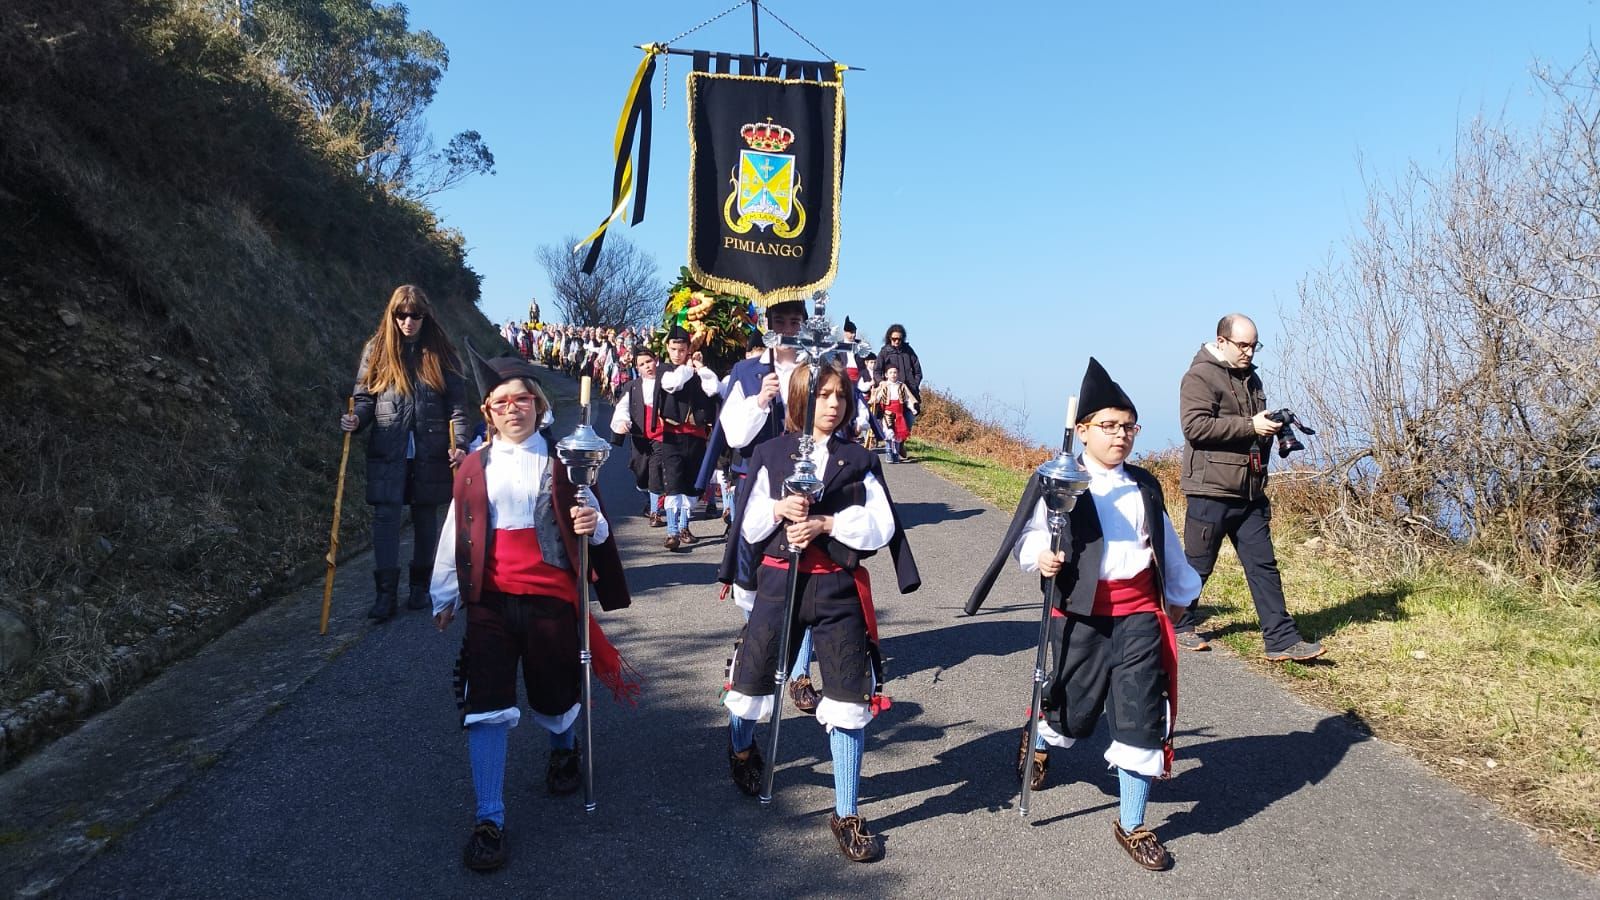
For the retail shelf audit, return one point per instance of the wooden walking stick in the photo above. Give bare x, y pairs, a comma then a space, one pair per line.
333, 539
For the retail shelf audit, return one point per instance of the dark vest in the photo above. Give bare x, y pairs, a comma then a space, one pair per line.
688, 405
473, 535
637, 410
842, 487
748, 374
1077, 580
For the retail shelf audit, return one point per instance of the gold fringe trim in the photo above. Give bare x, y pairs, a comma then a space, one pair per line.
745, 289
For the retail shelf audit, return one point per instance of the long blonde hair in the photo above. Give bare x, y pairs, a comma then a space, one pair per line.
387, 367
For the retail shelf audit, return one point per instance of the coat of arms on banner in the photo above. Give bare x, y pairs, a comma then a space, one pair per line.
766, 164
765, 184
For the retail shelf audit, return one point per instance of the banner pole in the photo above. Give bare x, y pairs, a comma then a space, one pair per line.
755, 24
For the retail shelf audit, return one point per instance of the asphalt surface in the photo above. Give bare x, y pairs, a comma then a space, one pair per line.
278, 763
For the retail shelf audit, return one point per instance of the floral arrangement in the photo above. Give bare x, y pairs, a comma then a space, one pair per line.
718, 324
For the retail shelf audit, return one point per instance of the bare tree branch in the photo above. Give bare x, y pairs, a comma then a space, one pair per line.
625, 289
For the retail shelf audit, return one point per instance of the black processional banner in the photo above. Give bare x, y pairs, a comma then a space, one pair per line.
766, 160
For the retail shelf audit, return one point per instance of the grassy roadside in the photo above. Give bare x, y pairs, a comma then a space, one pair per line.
1493, 683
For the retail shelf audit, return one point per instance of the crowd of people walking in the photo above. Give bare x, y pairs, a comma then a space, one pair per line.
792, 562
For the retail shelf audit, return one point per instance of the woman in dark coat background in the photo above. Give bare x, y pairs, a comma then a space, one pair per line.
897, 352
410, 390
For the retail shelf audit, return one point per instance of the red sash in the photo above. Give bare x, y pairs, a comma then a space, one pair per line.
901, 432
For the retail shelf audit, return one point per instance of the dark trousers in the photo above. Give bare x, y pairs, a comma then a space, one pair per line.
386, 534
1248, 524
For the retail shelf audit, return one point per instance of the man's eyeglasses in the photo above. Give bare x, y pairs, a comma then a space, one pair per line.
505, 404
402, 316
1111, 428
1243, 347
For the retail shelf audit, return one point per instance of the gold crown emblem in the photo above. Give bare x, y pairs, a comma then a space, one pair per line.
766, 136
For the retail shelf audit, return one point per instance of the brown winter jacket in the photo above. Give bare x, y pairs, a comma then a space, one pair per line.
1215, 403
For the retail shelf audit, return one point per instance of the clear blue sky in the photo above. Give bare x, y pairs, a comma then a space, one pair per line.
1027, 183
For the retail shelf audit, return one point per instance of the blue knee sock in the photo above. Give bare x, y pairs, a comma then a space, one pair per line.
655, 502
486, 748
565, 740
1038, 742
1135, 794
742, 732
802, 661
848, 745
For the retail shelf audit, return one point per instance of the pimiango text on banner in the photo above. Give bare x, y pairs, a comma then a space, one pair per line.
766, 162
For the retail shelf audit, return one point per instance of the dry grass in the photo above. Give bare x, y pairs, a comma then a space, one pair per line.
1492, 681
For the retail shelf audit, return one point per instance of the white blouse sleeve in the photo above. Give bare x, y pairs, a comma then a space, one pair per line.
868, 526
1034, 541
675, 377
443, 587
602, 528
1182, 581
758, 524
742, 418
621, 418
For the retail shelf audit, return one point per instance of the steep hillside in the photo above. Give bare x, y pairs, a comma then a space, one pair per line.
187, 274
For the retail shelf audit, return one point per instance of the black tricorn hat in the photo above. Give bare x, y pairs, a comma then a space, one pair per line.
849, 325
491, 373
1100, 392
677, 334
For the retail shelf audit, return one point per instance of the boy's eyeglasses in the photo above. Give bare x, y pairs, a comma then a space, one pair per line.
505, 404
1111, 428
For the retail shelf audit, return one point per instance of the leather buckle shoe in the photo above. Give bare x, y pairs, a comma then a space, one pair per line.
672, 542
561, 776
804, 695
746, 771
1041, 763
686, 538
1142, 845
656, 520
855, 842
486, 849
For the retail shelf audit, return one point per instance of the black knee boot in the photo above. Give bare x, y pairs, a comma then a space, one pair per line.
387, 582
420, 577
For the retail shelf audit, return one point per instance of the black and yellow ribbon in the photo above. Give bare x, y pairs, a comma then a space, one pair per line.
634, 122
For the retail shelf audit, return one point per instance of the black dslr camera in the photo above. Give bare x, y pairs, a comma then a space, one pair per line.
1287, 441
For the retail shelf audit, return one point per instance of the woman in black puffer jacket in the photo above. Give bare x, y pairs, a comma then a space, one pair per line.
410, 390
897, 352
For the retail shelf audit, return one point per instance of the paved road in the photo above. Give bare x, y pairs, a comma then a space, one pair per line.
278, 763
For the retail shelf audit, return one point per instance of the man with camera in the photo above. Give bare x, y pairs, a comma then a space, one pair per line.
1228, 433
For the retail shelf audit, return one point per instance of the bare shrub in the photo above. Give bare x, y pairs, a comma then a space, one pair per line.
948, 422
1453, 353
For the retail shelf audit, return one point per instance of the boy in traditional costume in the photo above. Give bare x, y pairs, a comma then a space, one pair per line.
633, 417
1112, 635
853, 518
516, 522
686, 402
896, 406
